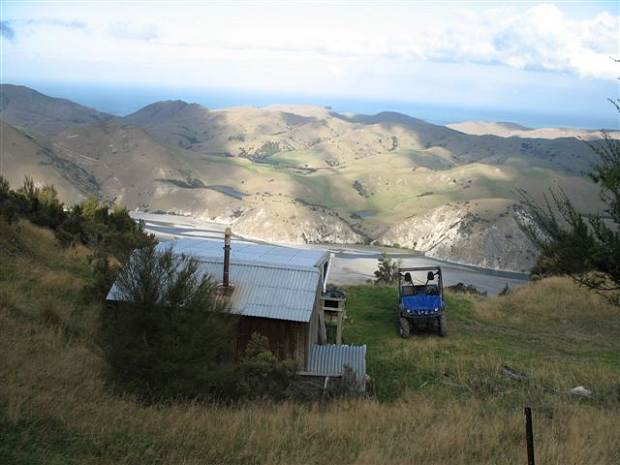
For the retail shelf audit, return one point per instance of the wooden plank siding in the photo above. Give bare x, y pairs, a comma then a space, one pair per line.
287, 339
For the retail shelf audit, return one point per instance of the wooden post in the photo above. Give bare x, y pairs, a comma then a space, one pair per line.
529, 436
322, 328
339, 325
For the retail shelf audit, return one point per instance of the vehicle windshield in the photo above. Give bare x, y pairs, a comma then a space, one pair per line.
416, 283
420, 289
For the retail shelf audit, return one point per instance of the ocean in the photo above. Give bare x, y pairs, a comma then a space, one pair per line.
121, 100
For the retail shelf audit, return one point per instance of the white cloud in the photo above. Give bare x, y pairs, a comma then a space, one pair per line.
353, 50
58, 22
540, 37
134, 31
544, 38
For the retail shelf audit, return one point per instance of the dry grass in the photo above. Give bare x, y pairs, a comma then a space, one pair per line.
55, 408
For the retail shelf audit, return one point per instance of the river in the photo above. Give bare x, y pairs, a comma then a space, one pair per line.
351, 264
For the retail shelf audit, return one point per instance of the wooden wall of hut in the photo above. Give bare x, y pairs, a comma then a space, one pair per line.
287, 339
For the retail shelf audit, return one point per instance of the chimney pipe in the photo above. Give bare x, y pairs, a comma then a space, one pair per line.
226, 258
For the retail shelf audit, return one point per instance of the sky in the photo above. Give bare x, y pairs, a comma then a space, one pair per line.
459, 58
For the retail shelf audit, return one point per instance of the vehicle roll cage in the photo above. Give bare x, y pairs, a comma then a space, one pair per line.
436, 271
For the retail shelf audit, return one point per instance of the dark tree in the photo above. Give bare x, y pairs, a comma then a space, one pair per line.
583, 246
171, 337
387, 271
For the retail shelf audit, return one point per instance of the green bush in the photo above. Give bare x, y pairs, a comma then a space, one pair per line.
171, 337
261, 375
109, 228
387, 271
92, 223
585, 247
8, 208
103, 276
40, 205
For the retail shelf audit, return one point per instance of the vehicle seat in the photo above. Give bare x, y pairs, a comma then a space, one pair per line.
407, 289
432, 289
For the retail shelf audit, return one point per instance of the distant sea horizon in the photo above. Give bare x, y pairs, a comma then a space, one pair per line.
121, 100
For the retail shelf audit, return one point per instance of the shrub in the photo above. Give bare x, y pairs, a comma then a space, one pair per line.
261, 375
103, 276
171, 337
110, 229
90, 223
345, 387
8, 209
505, 290
40, 205
387, 271
585, 247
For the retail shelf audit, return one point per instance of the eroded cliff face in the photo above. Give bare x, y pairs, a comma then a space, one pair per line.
457, 233
303, 227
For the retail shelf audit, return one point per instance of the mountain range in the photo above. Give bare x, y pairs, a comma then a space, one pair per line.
302, 173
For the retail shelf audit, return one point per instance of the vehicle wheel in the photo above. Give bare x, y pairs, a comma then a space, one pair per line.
404, 328
442, 326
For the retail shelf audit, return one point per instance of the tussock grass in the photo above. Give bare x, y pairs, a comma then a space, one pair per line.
436, 401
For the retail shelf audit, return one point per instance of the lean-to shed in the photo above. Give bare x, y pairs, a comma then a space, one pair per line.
330, 360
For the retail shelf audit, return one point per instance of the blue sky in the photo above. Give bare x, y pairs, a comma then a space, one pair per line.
523, 57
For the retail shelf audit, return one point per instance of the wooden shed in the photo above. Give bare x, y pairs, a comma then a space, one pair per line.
277, 292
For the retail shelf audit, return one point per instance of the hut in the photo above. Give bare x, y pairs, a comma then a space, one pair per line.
276, 291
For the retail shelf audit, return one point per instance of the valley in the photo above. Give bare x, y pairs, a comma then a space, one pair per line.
304, 174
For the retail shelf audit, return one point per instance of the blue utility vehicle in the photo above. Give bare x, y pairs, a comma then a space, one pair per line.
421, 300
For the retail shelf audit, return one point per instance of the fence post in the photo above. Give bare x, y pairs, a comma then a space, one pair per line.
529, 436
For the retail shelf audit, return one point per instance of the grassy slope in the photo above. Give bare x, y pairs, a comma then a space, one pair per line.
559, 337
439, 401
394, 183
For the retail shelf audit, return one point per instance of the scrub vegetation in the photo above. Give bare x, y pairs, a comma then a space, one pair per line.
433, 400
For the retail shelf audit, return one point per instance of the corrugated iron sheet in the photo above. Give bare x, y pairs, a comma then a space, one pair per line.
269, 292
331, 359
269, 282
244, 252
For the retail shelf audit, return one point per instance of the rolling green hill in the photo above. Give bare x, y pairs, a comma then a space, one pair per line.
303, 173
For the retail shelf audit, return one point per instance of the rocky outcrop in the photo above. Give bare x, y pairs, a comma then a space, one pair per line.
456, 233
302, 228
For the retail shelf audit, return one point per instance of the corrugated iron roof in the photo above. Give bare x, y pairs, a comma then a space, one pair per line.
268, 291
268, 282
244, 252
330, 359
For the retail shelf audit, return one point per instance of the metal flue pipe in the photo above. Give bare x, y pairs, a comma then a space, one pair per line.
226, 281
